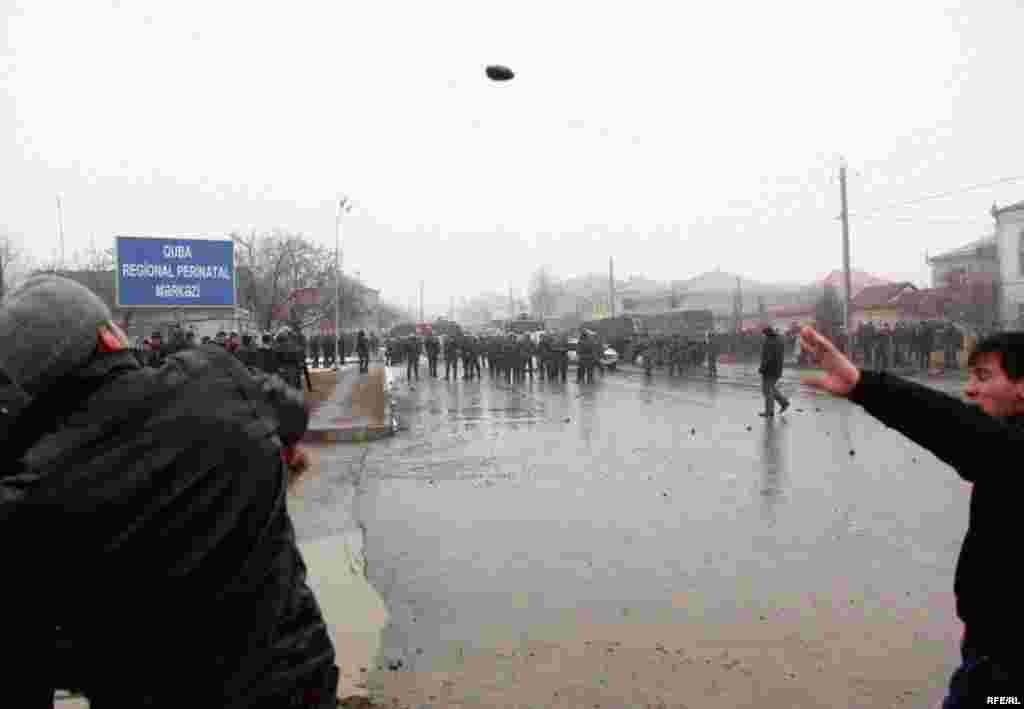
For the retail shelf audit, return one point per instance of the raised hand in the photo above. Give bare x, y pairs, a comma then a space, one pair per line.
840, 376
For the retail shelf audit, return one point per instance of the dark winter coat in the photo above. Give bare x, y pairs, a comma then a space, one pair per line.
148, 522
983, 450
772, 354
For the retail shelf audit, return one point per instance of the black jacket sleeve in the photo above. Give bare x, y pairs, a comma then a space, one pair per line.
958, 433
288, 404
266, 392
29, 628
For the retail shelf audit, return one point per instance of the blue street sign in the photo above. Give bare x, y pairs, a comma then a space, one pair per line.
174, 273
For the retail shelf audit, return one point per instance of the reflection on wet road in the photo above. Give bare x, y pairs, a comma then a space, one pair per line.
505, 516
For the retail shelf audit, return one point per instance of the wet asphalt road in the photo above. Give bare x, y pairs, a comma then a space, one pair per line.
505, 513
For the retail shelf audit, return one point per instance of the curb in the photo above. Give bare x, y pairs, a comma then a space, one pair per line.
362, 432
353, 434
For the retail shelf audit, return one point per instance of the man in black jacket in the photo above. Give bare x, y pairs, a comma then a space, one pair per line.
160, 496
981, 441
772, 354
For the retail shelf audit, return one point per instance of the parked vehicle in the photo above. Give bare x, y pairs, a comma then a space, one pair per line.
610, 358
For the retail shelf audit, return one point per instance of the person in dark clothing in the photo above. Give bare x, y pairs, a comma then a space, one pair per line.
172, 484
433, 349
713, 350
451, 358
413, 349
772, 355
561, 350
978, 439
363, 350
469, 356
288, 365
314, 350
953, 342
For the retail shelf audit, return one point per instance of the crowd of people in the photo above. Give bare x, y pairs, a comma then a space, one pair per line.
159, 488
284, 354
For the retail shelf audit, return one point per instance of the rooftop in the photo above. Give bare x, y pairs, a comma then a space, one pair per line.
881, 295
1017, 206
971, 249
859, 280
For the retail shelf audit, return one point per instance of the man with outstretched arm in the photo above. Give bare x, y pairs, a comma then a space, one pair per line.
982, 440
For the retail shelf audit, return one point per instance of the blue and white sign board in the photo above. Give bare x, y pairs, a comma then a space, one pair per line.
174, 273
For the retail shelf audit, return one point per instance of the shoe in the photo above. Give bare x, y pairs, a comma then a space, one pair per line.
782, 409
766, 415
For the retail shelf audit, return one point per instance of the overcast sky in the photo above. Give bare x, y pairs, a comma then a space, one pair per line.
675, 137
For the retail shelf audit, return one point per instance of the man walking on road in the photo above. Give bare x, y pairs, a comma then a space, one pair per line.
363, 350
981, 441
772, 354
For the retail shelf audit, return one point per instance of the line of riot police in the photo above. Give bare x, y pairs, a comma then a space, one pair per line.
679, 353
509, 358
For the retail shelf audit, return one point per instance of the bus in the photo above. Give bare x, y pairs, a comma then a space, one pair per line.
688, 323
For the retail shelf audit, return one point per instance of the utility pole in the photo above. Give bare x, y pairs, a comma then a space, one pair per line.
845, 217
60, 231
421, 301
344, 205
737, 305
611, 286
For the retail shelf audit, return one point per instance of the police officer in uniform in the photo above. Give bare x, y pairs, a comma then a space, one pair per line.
328, 346
582, 358
412, 358
451, 358
291, 361
562, 360
314, 350
469, 355
433, 348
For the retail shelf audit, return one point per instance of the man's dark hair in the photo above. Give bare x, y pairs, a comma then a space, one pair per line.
1010, 348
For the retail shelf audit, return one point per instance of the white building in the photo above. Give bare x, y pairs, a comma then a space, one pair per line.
1009, 232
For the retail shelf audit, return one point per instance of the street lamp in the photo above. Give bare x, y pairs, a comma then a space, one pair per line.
344, 207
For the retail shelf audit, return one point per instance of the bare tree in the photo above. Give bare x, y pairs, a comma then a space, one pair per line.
544, 292
11, 258
273, 267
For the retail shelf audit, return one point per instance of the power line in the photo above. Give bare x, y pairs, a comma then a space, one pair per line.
940, 195
925, 220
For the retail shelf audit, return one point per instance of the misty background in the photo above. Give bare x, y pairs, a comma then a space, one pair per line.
676, 138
